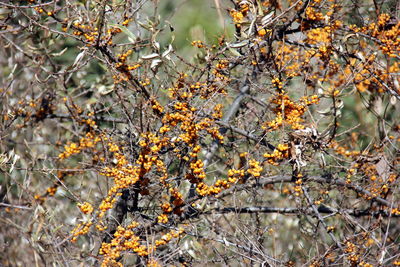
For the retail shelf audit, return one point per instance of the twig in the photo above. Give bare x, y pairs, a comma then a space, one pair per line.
321, 209
30, 6
15, 206
319, 217
228, 115
246, 134
287, 179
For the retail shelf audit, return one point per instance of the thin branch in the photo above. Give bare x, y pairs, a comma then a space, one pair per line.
319, 217
246, 134
30, 6
228, 115
2, 204
97, 118
321, 209
287, 179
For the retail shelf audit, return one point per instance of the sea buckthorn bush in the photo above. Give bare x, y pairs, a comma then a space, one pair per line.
180, 133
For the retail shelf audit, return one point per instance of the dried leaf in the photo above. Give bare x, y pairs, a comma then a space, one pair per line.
267, 19
150, 56
155, 64
238, 45
166, 52
60, 53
